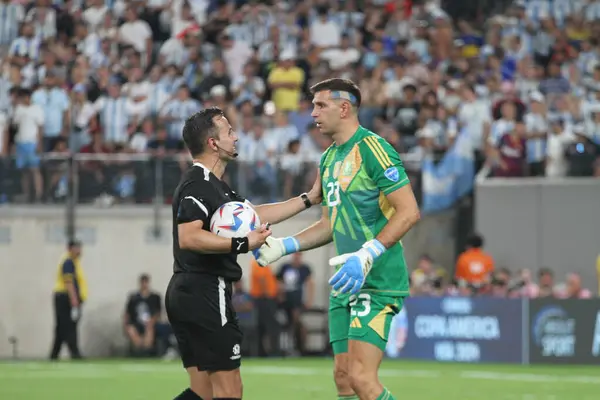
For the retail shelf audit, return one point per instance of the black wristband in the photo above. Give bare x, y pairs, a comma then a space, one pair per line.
239, 245
306, 200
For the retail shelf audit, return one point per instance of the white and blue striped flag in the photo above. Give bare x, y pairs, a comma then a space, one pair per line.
447, 181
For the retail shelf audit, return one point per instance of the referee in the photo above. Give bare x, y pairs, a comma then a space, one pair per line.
198, 298
70, 291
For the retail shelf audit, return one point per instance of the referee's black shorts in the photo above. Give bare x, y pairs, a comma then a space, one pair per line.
203, 321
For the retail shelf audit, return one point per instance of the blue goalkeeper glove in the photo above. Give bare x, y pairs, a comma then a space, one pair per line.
274, 249
355, 266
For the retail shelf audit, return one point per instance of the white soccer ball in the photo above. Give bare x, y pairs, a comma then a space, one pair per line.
234, 219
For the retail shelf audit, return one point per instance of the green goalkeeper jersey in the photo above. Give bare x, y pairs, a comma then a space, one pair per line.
356, 177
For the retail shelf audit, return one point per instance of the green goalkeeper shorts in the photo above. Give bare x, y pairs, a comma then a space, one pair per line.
365, 317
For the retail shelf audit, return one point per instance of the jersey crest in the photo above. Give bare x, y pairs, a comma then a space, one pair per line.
392, 174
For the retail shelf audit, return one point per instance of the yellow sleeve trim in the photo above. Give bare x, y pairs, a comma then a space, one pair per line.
378, 152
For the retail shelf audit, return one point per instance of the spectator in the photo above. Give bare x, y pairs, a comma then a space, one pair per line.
574, 290
474, 265
29, 119
247, 318
297, 294
55, 103
477, 80
546, 283
500, 283
116, 115
558, 140
142, 313
537, 132
285, 82
582, 153
264, 290
427, 277
512, 153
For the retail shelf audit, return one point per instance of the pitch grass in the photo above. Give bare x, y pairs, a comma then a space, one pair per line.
296, 379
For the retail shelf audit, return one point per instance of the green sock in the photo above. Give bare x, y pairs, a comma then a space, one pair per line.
351, 397
386, 395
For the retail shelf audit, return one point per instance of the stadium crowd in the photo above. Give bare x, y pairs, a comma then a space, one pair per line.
476, 274
102, 77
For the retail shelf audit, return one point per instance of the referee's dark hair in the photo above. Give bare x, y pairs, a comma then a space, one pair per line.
198, 128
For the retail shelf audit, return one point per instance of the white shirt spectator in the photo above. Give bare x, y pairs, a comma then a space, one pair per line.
246, 145
250, 89
173, 52
136, 33
157, 98
23, 46
340, 58
473, 116
325, 34
44, 22
94, 16
535, 123
309, 149
115, 115
139, 142
180, 111
3, 125
11, 16
90, 46
556, 164
30, 120
137, 90
84, 115
292, 163
282, 135
236, 58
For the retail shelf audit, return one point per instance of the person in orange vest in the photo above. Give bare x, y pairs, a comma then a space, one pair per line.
474, 265
264, 289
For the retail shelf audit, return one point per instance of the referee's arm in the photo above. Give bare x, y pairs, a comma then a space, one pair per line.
191, 217
68, 274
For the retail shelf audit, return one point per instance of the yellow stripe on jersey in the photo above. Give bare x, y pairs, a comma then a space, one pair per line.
379, 152
376, 154
384, 154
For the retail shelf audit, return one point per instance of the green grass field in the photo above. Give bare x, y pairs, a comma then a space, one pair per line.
296, 379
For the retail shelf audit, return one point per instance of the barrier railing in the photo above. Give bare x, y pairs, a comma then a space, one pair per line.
480, 329
113, 179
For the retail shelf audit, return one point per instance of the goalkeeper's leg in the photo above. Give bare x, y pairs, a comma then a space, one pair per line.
364, 361
339, 321
367, 340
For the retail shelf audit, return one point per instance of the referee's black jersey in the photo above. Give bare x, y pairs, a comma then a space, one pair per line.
197, 197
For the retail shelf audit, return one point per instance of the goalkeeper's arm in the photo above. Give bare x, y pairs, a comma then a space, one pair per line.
316, 235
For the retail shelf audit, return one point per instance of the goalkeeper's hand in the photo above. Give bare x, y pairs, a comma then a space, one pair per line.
274, 249
355, 266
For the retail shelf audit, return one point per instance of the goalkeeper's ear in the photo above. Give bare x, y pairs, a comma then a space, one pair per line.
338, 260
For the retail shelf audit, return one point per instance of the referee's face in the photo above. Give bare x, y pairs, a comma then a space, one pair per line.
226, 140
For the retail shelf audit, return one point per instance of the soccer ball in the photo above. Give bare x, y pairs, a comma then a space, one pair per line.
234, 219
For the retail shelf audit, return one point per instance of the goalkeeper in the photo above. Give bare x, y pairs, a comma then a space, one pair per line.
368, 205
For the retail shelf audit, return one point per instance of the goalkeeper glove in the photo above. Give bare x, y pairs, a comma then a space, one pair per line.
355, 266
274, 249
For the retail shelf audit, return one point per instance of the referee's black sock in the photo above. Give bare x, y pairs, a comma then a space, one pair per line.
188, 394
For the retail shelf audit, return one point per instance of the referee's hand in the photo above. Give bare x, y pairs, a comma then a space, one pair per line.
257, 237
